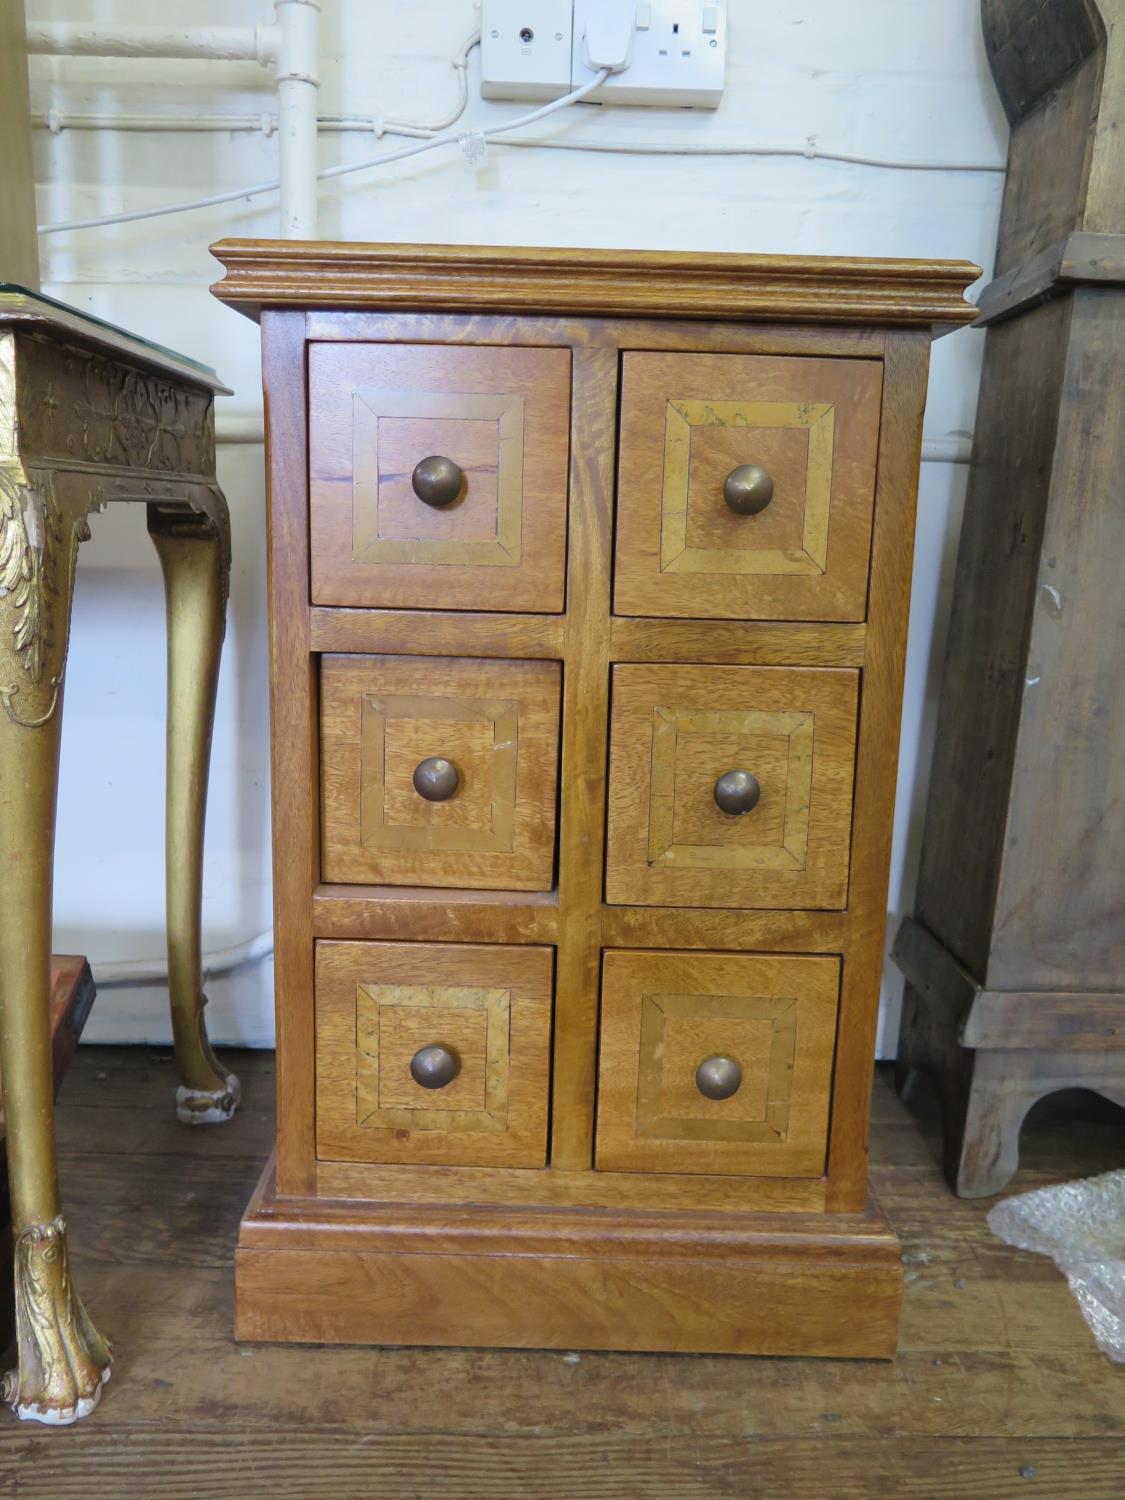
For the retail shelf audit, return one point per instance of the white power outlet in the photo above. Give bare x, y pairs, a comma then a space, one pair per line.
678, 57
534, 50
526, 48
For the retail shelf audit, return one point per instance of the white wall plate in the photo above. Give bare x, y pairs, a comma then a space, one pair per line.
526, 49
678, 57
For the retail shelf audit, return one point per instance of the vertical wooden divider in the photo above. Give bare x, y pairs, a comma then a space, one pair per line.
293, 745
905, 379
584, 737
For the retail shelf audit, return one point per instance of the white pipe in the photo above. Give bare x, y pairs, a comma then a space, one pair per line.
224, 43
58, 120
948, 450
132, 971
246, 427
298, 31
291, 44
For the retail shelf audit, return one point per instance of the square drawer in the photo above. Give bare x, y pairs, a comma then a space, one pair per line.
474, 1023
490, 533
715, 1063
694, 426
439, 771
677, 837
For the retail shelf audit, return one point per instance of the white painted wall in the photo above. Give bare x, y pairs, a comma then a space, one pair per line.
894, 78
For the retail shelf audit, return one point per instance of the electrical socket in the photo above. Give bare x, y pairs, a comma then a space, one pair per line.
526, 48
678, 56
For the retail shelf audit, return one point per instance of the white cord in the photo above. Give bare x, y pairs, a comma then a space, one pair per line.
429, 144
490, 136
461, 64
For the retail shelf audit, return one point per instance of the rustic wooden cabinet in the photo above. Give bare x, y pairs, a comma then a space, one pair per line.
589, 585
1015, 954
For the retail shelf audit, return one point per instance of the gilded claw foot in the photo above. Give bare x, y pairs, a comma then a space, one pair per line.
63, 1360
213, 1095
208, 1106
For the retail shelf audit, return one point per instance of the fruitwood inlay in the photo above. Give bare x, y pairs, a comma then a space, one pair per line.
747, 649
377, 1004
501, 415
668, 840
664, 1013
689, 420
497, 722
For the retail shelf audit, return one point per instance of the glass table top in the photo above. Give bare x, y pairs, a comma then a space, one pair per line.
22, 298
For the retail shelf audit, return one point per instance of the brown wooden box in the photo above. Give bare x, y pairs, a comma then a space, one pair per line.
607, 1087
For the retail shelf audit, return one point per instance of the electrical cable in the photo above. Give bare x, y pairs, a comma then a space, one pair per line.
461, 63
429, 144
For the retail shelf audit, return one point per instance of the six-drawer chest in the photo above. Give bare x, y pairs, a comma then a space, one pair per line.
589, 579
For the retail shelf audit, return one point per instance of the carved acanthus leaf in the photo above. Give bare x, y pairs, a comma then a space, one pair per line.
29, 536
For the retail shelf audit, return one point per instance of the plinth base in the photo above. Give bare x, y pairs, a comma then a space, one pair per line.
488, 1276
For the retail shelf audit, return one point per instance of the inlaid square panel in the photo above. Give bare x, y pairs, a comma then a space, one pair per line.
769, 1021
495, 724
688, 421
676, 732
501, 416
488, 1010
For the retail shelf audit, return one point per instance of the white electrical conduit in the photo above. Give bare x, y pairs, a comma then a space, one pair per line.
290, 45
58, 121
466, 140
498, 135
109, 975
117, 974
113, 974
222, 43
240, 428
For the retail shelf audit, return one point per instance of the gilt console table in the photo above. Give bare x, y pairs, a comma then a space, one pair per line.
589, 580
88, 415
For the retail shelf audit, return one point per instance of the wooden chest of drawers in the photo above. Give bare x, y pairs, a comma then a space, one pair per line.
589, 584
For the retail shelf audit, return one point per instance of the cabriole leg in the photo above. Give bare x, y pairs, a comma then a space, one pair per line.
195, 561
63, 1362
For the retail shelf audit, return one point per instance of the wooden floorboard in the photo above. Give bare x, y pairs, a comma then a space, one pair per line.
998, 1390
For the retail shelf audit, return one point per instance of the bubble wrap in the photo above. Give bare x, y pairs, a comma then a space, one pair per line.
1081, 1226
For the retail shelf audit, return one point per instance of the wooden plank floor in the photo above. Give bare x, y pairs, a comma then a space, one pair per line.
998, 1389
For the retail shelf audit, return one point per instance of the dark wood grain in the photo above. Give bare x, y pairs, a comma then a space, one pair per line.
900, 446
1016, 958
986, 649
1062, 82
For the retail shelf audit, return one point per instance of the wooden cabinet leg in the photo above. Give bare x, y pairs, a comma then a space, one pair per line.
63, 1362
194, 557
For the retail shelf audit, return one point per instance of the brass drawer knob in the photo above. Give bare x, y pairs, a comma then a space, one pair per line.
748, 489
434, 1067
718, 1077
738, 792
436, 779
437, 481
